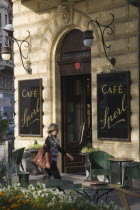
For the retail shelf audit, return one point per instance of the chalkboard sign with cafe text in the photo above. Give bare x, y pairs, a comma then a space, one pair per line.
30, 107
113, 106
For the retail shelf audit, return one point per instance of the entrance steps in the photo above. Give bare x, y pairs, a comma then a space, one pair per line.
76, 178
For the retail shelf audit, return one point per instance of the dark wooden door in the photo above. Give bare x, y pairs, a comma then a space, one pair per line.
76, 112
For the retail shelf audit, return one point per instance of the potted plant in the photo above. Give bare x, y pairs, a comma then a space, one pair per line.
2, 170
88, 149
3, 128
32, 151
35, 146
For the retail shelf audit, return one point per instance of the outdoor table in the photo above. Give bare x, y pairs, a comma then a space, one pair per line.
64, 185
120, 160
57, 183
87, 166
86, 190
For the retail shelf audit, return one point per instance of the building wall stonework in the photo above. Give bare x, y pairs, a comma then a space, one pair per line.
47, 31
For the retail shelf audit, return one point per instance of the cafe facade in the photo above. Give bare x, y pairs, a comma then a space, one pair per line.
78, 87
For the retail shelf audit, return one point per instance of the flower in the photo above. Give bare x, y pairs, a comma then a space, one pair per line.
43, 198
18, 205
14, 205
10, 200
1, 193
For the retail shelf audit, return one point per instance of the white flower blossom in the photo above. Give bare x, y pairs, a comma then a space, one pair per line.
54, 197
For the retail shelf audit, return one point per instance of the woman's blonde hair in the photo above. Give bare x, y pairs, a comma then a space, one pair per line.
52, 127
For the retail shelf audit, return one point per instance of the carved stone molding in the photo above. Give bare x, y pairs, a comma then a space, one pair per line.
44, 5
53, 2
66, 13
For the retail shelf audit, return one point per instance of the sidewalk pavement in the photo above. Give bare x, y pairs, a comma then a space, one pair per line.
113, 196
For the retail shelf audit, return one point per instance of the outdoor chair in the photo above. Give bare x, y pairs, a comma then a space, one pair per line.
17, 156
99, 164
131, 172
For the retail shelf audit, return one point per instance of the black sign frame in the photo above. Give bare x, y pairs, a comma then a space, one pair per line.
39, 125
117, 134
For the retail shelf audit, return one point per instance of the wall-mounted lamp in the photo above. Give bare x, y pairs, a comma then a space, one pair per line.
88, 37
6, 52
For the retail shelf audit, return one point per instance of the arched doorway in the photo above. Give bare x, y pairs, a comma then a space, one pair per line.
75, 79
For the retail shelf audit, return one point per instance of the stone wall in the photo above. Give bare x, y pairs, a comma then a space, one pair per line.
48, 29
124, 48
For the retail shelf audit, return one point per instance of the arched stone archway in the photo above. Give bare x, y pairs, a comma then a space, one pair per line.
50, 48
57, 28
51, 42
50, 45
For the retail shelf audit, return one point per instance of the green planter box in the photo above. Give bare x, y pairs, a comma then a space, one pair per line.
24, 178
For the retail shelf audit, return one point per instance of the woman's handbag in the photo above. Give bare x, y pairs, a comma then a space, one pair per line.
42, 158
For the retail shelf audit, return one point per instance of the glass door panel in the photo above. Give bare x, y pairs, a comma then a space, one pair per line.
76, 111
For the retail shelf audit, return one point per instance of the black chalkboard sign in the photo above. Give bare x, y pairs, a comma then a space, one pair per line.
113, 106
30, 107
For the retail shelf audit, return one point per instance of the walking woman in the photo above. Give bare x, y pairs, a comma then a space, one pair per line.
52, 148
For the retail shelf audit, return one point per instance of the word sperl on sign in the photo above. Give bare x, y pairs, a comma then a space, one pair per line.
30, 107
113, 102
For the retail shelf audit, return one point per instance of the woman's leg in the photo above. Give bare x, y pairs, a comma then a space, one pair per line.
54, 170
47, 173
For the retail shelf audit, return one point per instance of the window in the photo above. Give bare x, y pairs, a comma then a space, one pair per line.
0, 22
11, 83
10, 18
0, 50
1, 81
4, 82
10, 21
11, 49
8, 83
5, 19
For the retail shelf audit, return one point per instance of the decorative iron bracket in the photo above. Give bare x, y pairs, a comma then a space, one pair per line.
20, 44
102, 29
